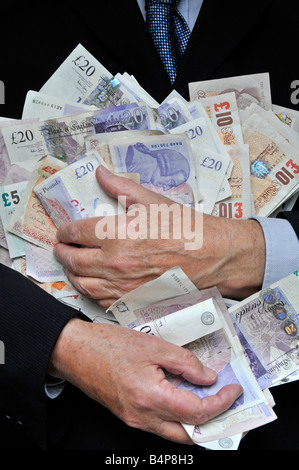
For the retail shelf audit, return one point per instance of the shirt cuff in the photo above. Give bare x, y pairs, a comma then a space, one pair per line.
282, 249
54, 387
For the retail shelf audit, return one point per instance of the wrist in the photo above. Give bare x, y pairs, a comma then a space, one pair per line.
244, 270
62, 355
232, 257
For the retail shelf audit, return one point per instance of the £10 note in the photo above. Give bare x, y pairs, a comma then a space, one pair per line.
249, 89
240, 204
223, 112
274, 165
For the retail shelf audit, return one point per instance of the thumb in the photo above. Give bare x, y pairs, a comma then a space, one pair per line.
134, 193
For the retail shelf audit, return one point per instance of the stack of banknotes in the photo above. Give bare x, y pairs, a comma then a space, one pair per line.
228, 151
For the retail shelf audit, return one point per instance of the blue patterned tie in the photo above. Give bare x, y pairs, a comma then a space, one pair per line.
169, 31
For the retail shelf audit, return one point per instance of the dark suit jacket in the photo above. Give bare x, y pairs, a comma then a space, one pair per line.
229, 38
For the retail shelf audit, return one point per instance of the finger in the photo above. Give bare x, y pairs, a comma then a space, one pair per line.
80, 261
186, 407
119, 270
85, 232
134, 193
216, 404
94, 231
79, 232
95, 288
181, 361
172, 431
106, 303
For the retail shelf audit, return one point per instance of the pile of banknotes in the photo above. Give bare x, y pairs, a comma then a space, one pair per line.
228, 151
253, 343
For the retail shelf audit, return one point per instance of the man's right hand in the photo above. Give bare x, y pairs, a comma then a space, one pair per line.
123, 370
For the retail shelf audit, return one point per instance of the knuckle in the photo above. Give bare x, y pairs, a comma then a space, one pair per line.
139, 399
189, 357
72, 263
106, 303
208, 409
133, 413
77, 261
126, 186
203, 418
110, 290
74, 232
79, 285
160, 428
131, 420
124, 286
88, 291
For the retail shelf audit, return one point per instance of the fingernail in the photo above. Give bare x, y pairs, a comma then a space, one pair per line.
104, 170
209, 373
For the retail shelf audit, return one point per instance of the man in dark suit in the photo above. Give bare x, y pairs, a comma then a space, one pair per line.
224, 42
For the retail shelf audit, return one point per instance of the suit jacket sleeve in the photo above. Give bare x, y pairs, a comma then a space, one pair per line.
31, 322
293, 218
